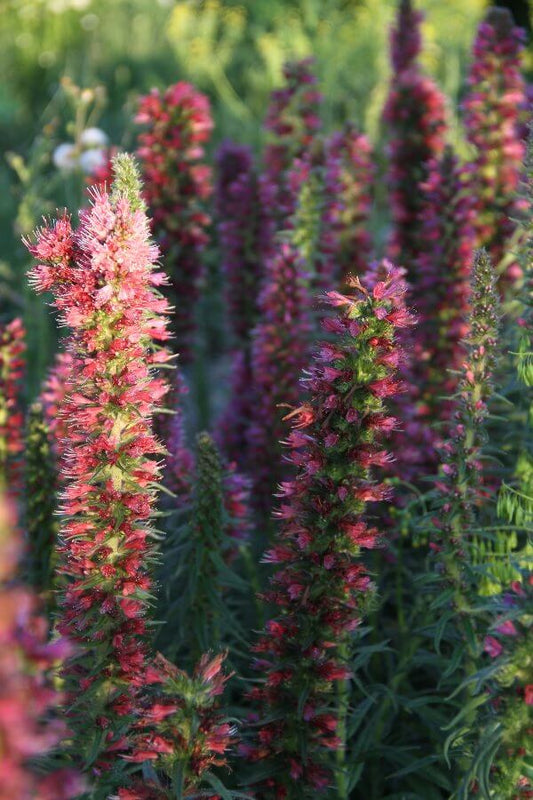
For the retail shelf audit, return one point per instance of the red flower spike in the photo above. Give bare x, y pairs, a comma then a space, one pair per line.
319, 585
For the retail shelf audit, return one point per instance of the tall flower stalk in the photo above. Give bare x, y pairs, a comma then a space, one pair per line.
279, 353
352, 215
414, 116
492, 114
241, 233
320, 588
459, 509
177, 183
12, 347
461, 485
103, 280
441, 296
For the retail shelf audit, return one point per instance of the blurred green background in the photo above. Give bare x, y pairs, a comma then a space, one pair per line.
233, 51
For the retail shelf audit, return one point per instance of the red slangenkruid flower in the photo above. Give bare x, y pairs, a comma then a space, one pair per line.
320, 585
102, 277
279, 353
12, 348
177, 182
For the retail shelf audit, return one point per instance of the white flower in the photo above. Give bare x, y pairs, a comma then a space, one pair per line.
91, 160
93, 137
65, 157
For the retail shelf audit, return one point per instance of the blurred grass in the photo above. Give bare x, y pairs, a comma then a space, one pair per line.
233, 51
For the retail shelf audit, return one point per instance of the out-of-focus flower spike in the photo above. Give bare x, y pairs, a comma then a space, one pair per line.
241, 220
350, 216
492, 114
12, 348
321, 587
177, 182
280, 346
414, 115
27, 698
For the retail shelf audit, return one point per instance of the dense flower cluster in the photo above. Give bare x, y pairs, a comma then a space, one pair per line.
103, 283
415, 118
279, 354
320, 586
12, 347
181, 730
177, 183
243, 230
351, 216
27, 697
492, 109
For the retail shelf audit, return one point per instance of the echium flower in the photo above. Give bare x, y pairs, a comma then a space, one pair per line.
461, 485
102, 278
41, 503
414, 115
28, 731
179, 466
440, 295
279, 353
492, 107
443, 285
181, 731
12, 347
176, 124
351, 215
293, 120
321, 586
240, 227
237, 416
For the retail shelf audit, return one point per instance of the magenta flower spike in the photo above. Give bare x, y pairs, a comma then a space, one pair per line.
177, 183
179, 466
104, 285
279, 353
493, 109
320, 586
441, 297
414, 116
27, 698
241, 221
